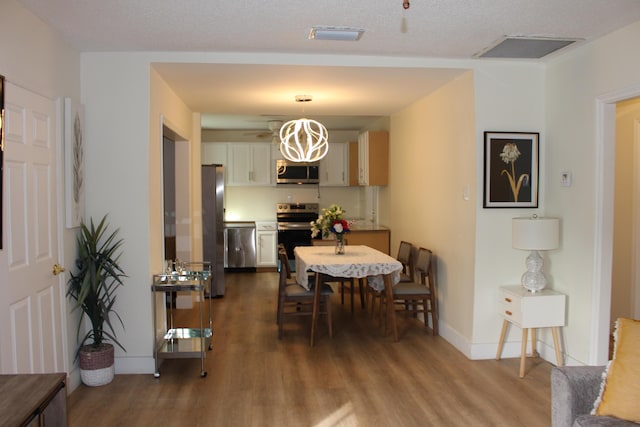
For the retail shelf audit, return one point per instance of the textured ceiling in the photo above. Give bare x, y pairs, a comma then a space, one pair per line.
455, 29
430, 28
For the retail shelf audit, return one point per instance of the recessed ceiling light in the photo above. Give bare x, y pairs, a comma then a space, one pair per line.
524, 47
336, 33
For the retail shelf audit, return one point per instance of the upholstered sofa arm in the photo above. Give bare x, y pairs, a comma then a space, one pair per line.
573, 391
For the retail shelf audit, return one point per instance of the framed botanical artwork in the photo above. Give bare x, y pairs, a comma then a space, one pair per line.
511, 169
73, 162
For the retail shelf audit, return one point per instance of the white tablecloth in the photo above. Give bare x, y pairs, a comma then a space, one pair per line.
357, 261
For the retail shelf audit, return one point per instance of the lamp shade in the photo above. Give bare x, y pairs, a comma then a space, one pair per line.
535, 234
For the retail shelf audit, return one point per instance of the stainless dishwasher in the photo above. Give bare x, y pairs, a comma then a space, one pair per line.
240, 244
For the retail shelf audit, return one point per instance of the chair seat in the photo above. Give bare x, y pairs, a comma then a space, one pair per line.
295, 290
410, 289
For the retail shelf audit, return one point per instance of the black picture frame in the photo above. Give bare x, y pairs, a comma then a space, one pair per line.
511, 169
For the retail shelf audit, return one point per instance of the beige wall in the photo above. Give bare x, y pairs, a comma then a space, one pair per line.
622, 284
432, 162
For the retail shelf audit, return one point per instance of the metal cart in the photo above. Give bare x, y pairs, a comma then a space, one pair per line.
183, 342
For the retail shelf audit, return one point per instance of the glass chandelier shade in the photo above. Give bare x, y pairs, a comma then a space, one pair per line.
304, 140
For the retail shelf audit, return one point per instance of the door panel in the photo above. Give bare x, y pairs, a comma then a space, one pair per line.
32, 298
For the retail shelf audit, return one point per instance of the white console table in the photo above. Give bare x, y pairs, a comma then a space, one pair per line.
544, 309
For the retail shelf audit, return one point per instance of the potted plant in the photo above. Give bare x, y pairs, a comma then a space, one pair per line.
93, 288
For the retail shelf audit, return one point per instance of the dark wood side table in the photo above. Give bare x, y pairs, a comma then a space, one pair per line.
33, 400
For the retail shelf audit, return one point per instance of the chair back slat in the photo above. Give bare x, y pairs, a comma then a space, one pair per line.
284, 261
423, 263
404, 252
284, 275
405, 256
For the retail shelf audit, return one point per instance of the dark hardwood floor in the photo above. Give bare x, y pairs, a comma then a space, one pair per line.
357, 378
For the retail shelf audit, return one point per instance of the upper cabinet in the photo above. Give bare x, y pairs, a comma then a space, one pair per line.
333, 167
373, 159
249, 164
213, 153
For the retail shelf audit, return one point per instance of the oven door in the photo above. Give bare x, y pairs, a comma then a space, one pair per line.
292, 237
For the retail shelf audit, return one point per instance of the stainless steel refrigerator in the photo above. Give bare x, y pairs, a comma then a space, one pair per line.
213, 224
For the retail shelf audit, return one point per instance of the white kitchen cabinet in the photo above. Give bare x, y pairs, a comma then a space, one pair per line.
249, 164
213, 153
267, 243
334, 167
373, 158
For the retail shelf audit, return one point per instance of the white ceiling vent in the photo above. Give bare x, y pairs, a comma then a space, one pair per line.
336, 33
522, 47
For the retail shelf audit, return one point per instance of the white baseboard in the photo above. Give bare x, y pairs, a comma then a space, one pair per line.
135, 365
484, 351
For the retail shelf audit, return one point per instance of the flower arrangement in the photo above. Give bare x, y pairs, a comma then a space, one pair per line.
330, 221
509, 155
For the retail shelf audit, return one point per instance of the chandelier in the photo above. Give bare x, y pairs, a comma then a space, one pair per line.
303, 140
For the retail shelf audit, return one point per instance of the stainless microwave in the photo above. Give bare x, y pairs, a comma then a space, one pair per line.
296, 173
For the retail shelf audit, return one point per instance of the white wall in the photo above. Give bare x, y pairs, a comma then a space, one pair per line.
37, 59
509, 96
126, 102
575, 83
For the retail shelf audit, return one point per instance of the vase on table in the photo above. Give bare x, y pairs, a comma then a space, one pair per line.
339, 244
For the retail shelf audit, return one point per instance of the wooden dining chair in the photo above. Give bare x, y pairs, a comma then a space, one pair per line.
294, 300
405, 256
344, 282
420, 296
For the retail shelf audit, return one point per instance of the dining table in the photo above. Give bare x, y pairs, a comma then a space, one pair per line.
358, 261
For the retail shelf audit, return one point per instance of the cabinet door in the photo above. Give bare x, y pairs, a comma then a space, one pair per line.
267, 243
261, 164
239, 171
373, 158
333, 167
353, 164
213, 153
249, 164
363, 158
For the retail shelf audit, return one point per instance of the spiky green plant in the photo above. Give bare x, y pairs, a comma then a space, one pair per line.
93, 287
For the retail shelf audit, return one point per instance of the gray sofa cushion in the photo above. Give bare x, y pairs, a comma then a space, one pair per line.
597, 421
574, 390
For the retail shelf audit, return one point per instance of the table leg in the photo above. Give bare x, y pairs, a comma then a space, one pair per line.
316, 307
391, 312
556, 343
523, 354
534, 341
503, 334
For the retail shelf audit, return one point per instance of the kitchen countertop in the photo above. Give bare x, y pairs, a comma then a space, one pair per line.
368, 227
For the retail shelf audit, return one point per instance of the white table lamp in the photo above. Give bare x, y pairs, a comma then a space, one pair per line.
535, 234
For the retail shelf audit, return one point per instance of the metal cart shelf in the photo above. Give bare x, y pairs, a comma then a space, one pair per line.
184, 342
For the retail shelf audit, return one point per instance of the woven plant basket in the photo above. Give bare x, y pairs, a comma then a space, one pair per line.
97, 365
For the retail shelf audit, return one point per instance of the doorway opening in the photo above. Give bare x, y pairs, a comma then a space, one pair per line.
605, 205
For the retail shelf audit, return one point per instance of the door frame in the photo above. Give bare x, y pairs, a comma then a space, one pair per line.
603, 235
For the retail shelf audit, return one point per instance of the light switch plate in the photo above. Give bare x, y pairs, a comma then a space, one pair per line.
565, 178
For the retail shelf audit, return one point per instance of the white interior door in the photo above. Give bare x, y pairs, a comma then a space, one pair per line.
32, 298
